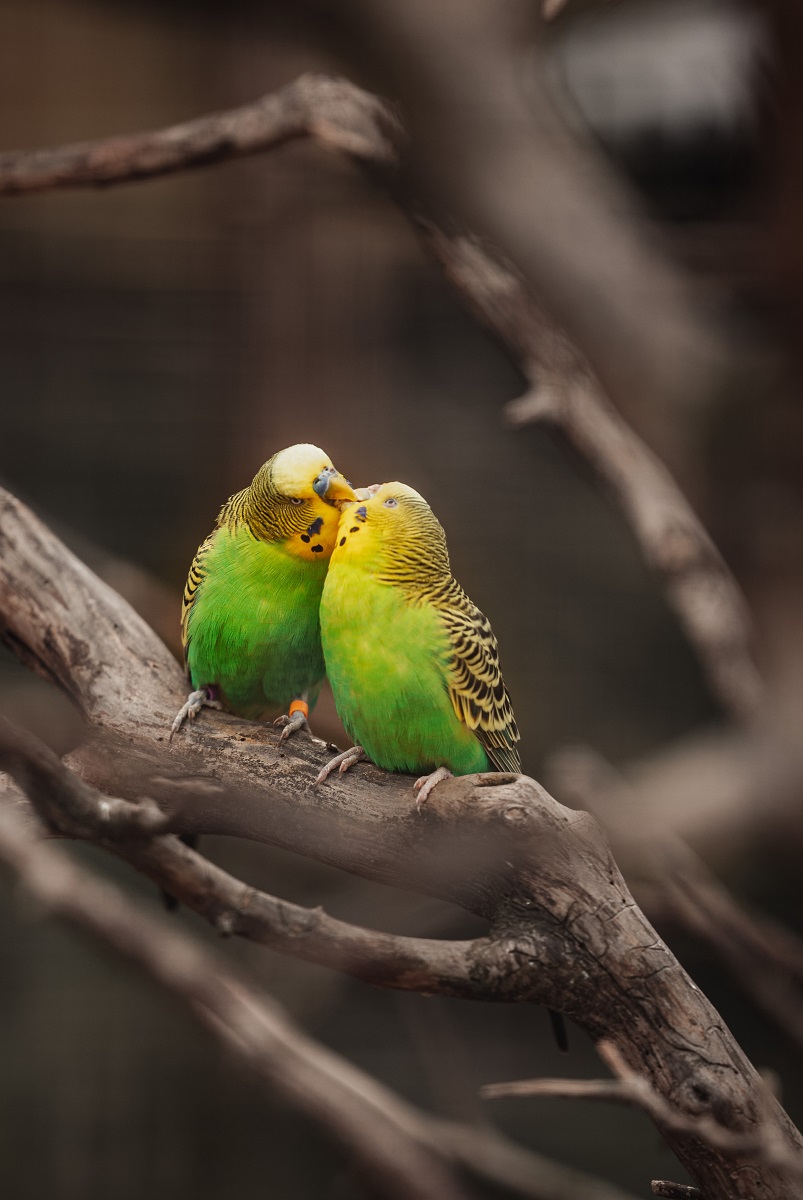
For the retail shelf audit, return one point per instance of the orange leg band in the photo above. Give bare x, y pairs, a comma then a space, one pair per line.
299, 706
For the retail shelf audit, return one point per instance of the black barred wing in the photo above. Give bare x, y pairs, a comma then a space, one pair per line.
194, 580
476, 687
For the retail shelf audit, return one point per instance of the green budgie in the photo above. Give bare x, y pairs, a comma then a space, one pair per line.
413, 664
249, 619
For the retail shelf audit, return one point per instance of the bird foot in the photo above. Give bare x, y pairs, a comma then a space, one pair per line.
294, 721
426, 783
342, 762
297, 718
203, 698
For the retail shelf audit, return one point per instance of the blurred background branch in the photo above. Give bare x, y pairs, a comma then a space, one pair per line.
392, 1144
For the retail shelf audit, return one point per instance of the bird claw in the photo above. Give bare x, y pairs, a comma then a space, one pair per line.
191, 707
341, 761
296, 720
426, 783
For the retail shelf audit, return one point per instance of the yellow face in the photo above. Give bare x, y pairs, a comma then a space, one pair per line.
388, 521
303, 478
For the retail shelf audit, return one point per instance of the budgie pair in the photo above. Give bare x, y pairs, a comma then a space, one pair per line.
301, 578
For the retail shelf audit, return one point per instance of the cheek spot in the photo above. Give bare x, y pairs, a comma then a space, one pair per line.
305, 537
342, 541
317, 549
315, 527
354, 529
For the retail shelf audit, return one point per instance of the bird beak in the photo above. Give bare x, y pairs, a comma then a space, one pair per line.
334, 488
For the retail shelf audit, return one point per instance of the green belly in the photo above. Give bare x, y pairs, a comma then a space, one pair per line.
253, 627
387, 662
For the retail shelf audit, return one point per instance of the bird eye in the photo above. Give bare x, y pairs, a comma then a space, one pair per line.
391, 502
296, 500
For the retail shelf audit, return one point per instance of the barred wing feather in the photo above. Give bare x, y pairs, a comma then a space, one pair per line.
476, 687
195, 578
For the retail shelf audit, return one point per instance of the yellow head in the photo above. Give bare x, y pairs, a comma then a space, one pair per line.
394, 535
295, 499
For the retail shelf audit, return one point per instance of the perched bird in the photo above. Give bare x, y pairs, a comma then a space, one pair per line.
249, 619
413, 664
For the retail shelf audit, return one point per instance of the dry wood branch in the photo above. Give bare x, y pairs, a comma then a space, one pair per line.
563, 389
635, 340
565, 394
74, 808
765, 958
675, 1191
487, 143
389, 1140
633, 1089
332, 111
567, 931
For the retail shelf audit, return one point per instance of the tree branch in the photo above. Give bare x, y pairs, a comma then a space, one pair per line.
633, 1089
489, 146
336, 114
565, 394
75, 809
391, 1142
766, 959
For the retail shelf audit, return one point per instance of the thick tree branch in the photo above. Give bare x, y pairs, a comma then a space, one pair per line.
563, 389
567, 931
766, 959
75, 809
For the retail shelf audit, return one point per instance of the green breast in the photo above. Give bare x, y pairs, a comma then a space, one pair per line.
386, 659
253, 626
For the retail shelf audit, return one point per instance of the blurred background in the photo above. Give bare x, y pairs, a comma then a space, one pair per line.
159, 340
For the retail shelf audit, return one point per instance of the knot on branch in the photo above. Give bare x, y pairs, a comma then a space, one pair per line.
705, 1094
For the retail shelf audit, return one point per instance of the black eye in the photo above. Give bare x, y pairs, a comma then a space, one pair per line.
296, 500
391, 502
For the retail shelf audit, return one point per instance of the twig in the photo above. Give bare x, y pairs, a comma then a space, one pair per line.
633, 1089
332, 111
675, 1191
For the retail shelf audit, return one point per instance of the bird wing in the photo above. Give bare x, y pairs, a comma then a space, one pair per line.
476, 687
195, 578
